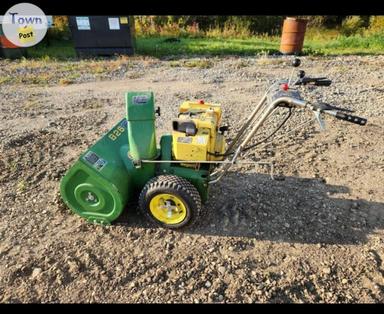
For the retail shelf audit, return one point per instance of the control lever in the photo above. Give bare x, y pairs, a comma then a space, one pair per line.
325, 106
295, 63
301, 74
319, 119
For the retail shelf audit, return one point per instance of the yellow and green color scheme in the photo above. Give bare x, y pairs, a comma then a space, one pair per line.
207, 141
118, 168
168, 208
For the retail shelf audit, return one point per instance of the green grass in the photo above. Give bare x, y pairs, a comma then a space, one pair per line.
157, 46
54, 49
341, 45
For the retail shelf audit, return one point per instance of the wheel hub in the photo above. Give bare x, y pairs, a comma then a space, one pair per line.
168, 208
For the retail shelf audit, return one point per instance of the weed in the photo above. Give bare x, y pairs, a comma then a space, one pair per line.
4, 79
35, 79
241, 64
21, 186
134, 75
265, 60
13, 166
175, 63
201, 64
31, 104
93, 103
65, 81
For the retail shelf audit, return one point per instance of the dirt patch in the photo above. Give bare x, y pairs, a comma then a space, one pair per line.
315, 235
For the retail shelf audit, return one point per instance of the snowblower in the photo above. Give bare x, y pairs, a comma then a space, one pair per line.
171, 182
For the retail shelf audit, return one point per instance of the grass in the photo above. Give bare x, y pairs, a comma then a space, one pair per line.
316, 43
56, 62
343, 45
13, 166
31, 104
202, 64
52, 69
158, 47
335, 45
54, 49
21, 186
4, 79
65, 81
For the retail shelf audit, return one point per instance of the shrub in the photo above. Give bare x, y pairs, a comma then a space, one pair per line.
376, 25
213, 26
324, 21
352, 25
230, 30
60, 28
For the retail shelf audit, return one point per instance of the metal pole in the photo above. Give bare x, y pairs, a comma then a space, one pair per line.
269, 110
246, 124
271, 107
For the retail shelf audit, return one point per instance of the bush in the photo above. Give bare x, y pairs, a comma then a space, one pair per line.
60, 28
352, 25
166, 26
376, 25
213, 26
324, 21
231, 29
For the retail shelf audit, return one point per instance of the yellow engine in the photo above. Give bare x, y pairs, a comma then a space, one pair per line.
196, 134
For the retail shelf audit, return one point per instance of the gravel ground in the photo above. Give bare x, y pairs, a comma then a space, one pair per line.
314, 235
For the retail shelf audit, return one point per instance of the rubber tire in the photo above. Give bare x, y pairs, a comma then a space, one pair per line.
178, 186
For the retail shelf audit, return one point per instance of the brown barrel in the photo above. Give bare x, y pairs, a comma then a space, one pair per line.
292, 38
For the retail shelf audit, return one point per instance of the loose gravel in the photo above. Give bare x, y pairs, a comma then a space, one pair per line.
314, 235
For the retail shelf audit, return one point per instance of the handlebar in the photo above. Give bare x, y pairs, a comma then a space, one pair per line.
337, 112
280, 94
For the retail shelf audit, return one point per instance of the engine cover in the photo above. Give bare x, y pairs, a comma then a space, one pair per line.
195, 133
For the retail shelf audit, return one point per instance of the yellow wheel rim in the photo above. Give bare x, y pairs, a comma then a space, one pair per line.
168, 208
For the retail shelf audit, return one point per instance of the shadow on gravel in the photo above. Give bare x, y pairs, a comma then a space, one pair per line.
294, 210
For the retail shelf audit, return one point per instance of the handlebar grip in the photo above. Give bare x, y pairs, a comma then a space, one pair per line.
350, 118
323, 83
318, 81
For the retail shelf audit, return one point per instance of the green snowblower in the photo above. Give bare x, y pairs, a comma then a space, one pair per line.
172, 181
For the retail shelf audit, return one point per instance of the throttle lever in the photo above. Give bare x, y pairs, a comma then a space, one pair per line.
325, 106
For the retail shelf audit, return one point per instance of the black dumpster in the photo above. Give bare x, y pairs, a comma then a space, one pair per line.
102, 35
